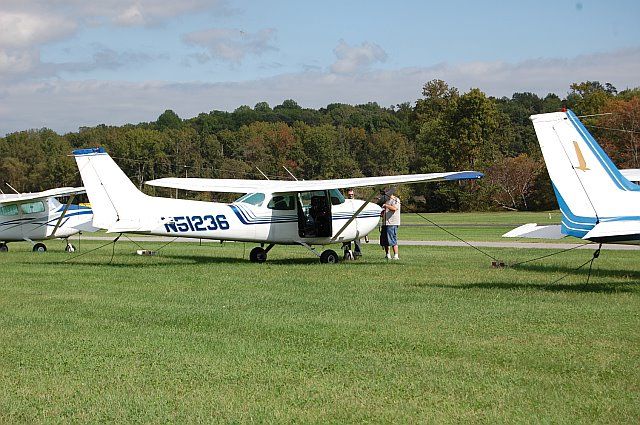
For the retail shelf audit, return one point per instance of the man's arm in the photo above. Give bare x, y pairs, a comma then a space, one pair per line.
390, 207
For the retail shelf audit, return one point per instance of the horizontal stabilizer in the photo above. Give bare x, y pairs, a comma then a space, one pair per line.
533, 231
631, 174
288, 186
614, 228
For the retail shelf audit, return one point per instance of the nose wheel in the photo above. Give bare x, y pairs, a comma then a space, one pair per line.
4, 247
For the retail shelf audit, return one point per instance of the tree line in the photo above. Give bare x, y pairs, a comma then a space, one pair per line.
443, 130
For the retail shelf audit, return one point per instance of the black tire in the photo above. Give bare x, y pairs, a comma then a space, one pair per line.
329, 257
348, 255
258, 255
4, 247
39, 247
69, 248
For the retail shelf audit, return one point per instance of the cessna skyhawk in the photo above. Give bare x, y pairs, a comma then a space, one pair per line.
39, 216
272, 212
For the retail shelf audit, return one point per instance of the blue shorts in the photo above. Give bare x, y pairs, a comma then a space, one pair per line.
392, 235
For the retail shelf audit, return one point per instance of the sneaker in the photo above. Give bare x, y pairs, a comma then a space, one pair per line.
388, 256
395, 257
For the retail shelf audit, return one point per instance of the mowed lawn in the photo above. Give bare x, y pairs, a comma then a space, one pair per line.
199, 334
488, 226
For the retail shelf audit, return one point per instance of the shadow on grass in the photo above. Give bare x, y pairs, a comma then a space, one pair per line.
591, 287
173, 260
627, 281
584, 271
196, 259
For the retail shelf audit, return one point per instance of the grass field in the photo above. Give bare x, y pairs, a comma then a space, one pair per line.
199, 334
488, 226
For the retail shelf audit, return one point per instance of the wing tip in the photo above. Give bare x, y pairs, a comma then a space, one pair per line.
465, 175
88, 151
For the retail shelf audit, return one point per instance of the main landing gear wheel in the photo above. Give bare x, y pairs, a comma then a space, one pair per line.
39, 247
258, 255
69, 248
329, 256
4, 247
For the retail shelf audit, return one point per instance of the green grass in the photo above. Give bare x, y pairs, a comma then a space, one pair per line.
488, 226
199, 334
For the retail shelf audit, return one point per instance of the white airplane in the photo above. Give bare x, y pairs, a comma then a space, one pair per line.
40, 216
598, 202
271, 212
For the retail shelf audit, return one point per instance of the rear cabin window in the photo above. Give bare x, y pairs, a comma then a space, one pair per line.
252, 198
9, 209
32, 207
282, 202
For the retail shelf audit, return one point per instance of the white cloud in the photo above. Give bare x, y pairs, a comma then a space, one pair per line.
27, 25
119, 12
23, 30
131, 16
14, 63
231, 45
66, 105
356, 58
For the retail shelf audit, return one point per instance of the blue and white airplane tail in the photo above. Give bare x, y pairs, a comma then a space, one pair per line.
115, 200
597, 202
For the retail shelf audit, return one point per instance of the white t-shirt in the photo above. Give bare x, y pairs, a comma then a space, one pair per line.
392, 218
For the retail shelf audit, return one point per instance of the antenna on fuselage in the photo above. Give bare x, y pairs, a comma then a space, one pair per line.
265, 176
290, 173
12, 188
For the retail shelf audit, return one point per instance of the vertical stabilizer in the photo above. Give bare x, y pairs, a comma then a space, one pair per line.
114, 198
588, 186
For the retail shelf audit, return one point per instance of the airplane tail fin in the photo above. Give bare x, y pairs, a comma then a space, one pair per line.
588, 186
115, 200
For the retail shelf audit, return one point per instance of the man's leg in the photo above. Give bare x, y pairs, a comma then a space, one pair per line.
392, 236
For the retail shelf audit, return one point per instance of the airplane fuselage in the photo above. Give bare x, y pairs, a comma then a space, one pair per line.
36, 220
244, 222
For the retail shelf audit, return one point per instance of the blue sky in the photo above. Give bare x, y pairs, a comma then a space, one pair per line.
71, 63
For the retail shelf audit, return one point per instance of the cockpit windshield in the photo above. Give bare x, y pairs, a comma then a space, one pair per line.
252, 198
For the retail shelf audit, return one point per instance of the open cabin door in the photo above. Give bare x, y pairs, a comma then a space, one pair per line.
314, 214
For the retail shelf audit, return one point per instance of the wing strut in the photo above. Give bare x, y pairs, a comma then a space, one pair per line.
355, 214
64, 212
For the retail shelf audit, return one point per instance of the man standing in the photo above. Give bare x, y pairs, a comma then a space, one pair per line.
391, 223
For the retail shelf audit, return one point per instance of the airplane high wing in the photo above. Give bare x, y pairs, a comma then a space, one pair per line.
271, 212
40, 216
598, 202
23, 197
287, 186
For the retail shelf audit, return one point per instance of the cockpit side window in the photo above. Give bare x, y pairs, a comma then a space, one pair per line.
252, 198
336, 197
282, 202
11, 209
32, 207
